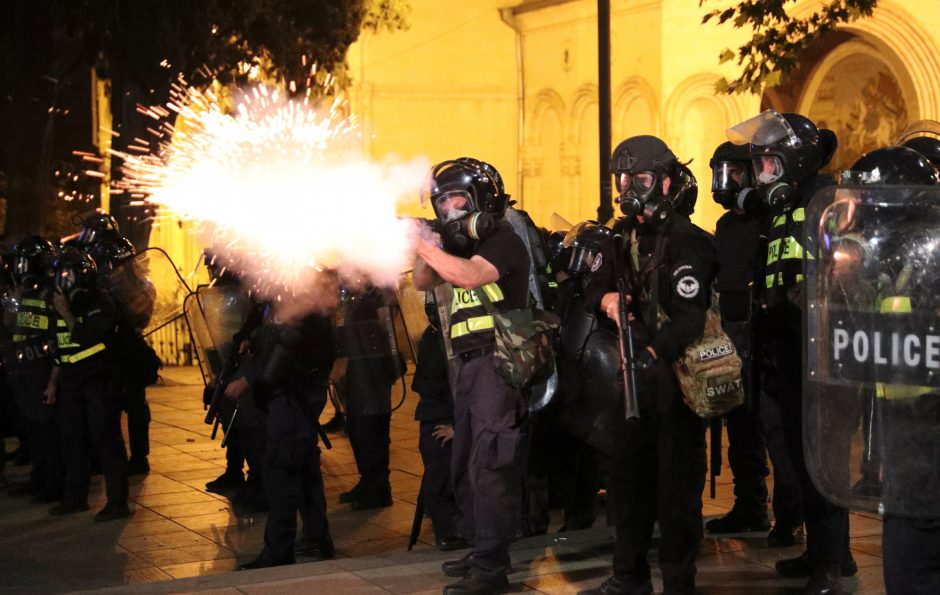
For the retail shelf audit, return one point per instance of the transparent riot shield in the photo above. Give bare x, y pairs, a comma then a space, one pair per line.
149, 289
214, 314
871, 408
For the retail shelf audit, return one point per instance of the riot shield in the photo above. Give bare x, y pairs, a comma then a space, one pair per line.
214, 314
149, 289
871, 409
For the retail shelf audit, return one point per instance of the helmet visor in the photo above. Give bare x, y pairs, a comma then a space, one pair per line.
729, 175
767, 169
762, 130
452, 205
66, 279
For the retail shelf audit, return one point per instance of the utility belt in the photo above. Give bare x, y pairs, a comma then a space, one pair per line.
473, 354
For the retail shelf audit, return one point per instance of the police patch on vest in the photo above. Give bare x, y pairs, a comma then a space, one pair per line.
598, 260
687, 287
715, 351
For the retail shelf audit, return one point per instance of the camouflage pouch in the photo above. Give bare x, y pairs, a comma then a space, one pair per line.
709, 371
524, 344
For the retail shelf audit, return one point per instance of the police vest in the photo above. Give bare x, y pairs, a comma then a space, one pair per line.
70, 353
32, 320
898, 305
470, 325
784, 251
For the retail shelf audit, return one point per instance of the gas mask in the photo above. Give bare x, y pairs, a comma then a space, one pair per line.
730, 187
460, 227
772, 186
641, 193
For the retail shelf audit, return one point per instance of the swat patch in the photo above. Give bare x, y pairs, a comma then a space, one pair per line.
598, 260
687, 287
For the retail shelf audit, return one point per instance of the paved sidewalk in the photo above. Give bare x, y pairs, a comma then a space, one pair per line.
178, 530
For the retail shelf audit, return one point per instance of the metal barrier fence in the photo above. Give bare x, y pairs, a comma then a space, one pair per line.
173, 344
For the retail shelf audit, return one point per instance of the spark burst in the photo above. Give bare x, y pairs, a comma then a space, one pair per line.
279, 185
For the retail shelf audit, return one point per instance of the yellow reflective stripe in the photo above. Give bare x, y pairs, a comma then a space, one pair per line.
61, 323
769, 279
18, 338
76, 357
471, 325
792, 250
34, 303
799, 216
553, 284
31, 320
900, 304
64, 340
467, 298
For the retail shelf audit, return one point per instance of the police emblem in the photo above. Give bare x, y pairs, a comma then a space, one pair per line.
598, 260
687, 287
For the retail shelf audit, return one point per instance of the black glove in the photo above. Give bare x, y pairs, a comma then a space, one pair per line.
645, 361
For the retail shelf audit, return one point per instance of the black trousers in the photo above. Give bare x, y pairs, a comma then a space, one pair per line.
827, 525
911, 556
292, 477
660, 477
36, 418
437, 489
370, 441
488, 463
138, 421
87, 402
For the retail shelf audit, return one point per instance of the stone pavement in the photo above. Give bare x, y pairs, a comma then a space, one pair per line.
178, 530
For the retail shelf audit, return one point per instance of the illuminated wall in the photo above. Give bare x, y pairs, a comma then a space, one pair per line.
449, 86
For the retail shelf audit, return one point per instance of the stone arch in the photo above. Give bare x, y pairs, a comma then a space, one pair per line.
580, 165
632, 90
701, 87
544, 139
902, 40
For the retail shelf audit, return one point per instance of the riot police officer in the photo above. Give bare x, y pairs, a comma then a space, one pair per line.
477, 252
787, 152
82, 389
737, 237
668, 265
112, 254
908, 415
288, 371
29, 363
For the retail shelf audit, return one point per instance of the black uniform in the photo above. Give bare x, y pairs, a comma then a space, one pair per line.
29, 362
661, 472
737, 239
87, 400
289, 370
370, 374
488, 457
435, 407
827, 529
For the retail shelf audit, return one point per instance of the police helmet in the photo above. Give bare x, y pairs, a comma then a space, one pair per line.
901, 166
110, 249
731, 172
32, 257
460, 186
94, 225
74, 270
639, 165
684, 192
927, 146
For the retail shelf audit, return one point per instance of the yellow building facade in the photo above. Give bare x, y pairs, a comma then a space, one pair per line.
516, 84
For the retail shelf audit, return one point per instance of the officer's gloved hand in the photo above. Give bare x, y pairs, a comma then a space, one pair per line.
645, 361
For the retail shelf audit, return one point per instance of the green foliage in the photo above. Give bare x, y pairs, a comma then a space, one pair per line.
778, 39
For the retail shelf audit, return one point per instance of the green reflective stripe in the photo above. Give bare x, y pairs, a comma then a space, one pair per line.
553, 284
471, 325
467, 298
799, 216
61, 323
76, 357
32, 320
34, 303
18, 338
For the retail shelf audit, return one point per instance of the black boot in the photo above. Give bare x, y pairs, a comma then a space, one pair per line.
470, 585
622, 584
824, 581
737, 521
781, 536
315, 550
458, 568
800, 566
263, 561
